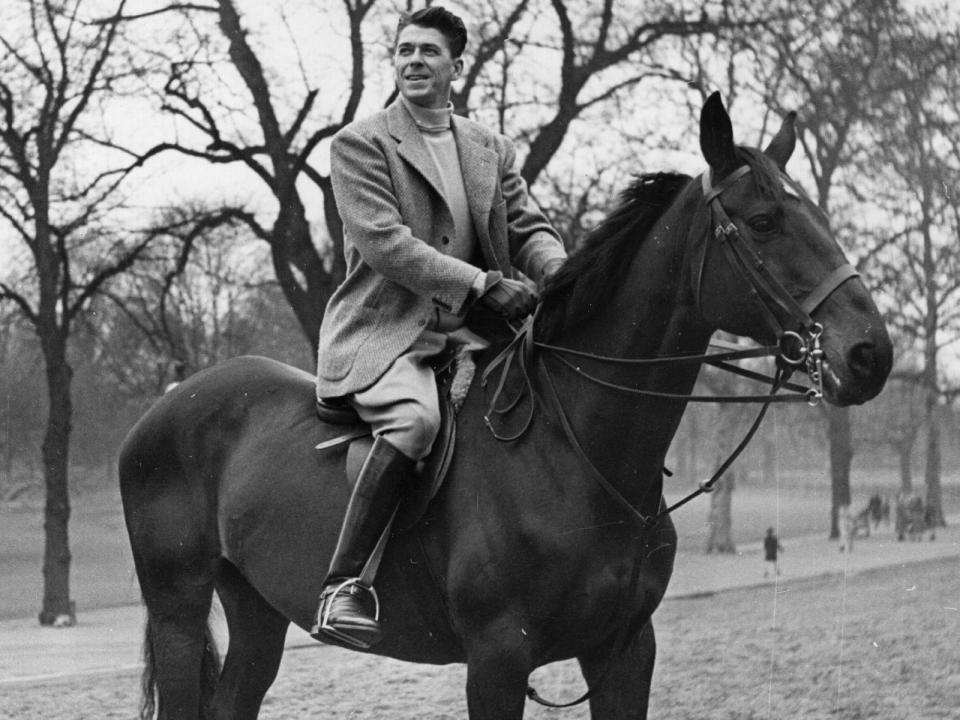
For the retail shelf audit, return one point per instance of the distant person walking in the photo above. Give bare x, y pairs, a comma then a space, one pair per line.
771, 550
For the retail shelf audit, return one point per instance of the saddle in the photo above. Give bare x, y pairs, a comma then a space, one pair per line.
454, 369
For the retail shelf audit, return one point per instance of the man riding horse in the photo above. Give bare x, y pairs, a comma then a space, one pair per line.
435, 217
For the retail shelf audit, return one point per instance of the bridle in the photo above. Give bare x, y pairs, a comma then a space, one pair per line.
800, 346
797, 346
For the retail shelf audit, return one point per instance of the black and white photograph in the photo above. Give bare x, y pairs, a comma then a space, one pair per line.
499, 360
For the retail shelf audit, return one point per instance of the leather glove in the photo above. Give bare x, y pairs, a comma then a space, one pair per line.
512, 299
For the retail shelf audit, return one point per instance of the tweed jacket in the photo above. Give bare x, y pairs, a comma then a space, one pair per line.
396, 225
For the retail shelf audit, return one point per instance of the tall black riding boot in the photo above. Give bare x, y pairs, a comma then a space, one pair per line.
342, 613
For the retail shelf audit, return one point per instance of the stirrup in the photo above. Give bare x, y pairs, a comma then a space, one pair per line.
322, 625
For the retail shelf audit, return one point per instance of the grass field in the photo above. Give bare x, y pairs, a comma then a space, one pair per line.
102, 569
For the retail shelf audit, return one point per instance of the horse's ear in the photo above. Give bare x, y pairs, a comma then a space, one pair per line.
781, 147
716, 137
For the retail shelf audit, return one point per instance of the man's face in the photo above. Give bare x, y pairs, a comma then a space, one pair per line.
424, 67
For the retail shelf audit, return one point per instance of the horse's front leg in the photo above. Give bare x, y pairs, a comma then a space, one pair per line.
621, 674
498, 666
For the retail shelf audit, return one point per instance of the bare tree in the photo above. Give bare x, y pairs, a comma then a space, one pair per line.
205, 81
835, 72
895, 420
282, 145
21, 418
200, 299
61, 176
601, 51
919, 141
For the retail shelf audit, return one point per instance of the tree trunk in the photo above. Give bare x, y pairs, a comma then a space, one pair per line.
720, 522
300, 270
308, 290
720, 536
58, 608
8, 445
934, 499
905, 451
841, 457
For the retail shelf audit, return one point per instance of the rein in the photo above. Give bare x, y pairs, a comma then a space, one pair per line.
520, 349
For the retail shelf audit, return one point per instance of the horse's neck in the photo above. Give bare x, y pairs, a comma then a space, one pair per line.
652, 314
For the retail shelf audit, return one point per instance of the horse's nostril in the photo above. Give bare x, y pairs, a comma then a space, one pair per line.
863, 359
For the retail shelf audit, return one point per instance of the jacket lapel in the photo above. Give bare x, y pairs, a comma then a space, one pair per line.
411, 145
478, 163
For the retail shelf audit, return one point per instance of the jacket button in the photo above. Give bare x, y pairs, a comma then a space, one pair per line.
422, 323
445, 240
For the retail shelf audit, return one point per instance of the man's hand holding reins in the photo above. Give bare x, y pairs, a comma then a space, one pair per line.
512, 299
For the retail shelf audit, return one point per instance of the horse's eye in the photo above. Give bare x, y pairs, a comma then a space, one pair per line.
763, 224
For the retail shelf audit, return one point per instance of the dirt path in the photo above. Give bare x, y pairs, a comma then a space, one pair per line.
878, 645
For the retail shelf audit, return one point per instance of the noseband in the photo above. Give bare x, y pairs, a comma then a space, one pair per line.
798, 345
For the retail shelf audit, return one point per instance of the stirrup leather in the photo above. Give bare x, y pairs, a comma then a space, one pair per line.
322, 624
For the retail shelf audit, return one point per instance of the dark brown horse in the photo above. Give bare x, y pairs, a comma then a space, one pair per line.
526, 556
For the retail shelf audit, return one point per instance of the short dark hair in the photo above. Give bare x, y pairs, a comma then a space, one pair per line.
438, 18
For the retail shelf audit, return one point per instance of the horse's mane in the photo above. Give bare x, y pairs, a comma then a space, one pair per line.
587, 280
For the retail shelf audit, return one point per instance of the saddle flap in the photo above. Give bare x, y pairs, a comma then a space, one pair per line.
430, 474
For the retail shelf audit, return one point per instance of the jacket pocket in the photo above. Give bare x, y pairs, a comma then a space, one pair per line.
346, 327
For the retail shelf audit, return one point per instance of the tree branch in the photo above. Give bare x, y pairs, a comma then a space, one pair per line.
173, 7
8, 293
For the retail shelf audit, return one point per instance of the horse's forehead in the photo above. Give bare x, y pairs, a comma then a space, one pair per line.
791, 189
784, 187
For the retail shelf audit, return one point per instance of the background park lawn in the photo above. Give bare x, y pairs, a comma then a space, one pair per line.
102, 567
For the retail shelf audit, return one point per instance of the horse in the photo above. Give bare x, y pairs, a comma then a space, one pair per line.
546, 545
